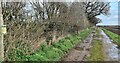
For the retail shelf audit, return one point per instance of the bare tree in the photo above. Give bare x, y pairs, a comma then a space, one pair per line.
96, 8
12, 10
95, 20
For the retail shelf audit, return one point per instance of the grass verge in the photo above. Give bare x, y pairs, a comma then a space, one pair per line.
58, 49
113, 36
96, 51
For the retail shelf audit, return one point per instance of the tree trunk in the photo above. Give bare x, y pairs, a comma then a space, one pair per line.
1, 35
54, 36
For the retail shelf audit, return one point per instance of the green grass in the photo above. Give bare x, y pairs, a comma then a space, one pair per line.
56, 51
96, 53
98, 33
113, 36
0, 61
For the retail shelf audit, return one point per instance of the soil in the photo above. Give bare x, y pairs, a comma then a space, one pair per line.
81, 51
110, 49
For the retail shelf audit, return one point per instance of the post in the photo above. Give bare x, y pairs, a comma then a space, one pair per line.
1, 35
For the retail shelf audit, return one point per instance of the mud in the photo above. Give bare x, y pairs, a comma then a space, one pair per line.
110, 48
81, 51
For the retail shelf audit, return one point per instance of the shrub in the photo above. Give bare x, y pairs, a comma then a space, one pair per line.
58, 49
52, 55
38, 57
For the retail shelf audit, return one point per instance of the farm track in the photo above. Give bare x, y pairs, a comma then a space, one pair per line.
110, 49
81, 51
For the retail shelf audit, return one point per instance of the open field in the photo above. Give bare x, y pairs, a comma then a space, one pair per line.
115, 29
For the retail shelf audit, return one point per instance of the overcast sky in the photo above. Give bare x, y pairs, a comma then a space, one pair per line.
106, 20
113, 18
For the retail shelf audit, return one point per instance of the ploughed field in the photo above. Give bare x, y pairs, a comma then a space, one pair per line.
115, 29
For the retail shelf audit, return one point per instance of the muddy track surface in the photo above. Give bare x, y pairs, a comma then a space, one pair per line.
110, 49
81, 51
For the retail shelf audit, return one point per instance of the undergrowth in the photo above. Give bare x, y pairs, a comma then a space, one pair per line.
56, 51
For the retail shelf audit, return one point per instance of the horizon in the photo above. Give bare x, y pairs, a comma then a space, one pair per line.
107, 25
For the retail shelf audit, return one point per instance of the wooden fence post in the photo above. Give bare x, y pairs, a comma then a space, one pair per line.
1, 35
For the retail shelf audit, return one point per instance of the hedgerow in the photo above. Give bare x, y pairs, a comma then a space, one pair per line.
57, 50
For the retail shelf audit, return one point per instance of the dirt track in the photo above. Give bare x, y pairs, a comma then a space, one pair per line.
81, 51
